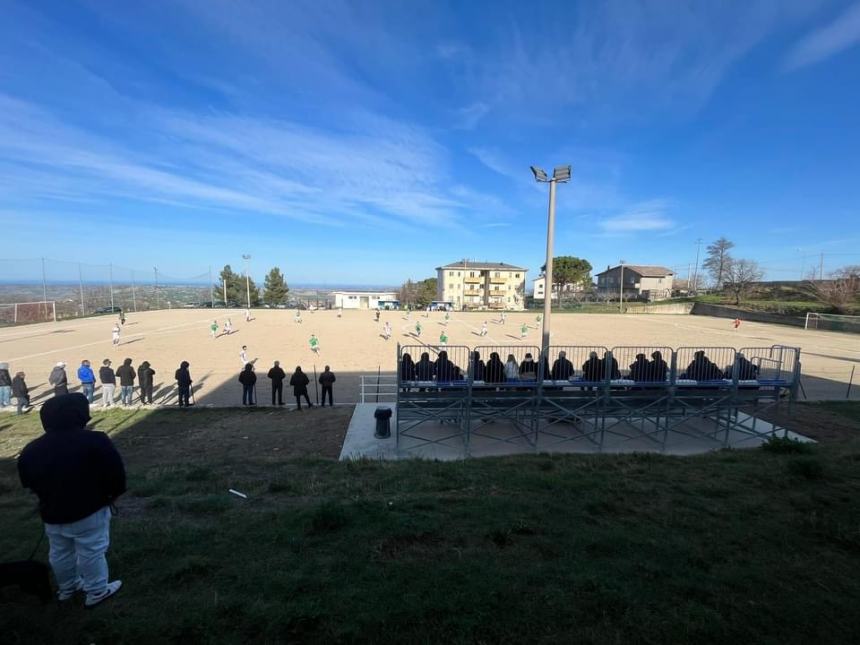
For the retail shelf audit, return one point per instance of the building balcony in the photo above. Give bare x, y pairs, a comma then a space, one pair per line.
473, 280
473, 292
498, 280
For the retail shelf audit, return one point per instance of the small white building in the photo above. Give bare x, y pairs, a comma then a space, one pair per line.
364, 299
568, 288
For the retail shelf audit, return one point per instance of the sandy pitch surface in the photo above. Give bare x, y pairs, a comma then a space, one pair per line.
353, 345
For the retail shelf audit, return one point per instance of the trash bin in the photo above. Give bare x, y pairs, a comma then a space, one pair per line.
383, 423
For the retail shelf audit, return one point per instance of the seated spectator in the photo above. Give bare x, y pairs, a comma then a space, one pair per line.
562, 369
444, 368
494, 370
528, 368
640, 369
745, 370
657, 368
425, 370
407, 368
614, 372
477, 367
512, 370
702, 369
593, 369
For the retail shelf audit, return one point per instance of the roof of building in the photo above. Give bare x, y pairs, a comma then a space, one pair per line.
469, 264
646, 271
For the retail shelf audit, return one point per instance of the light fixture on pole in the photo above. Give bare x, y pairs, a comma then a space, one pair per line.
247, 279
621, 290
560, 175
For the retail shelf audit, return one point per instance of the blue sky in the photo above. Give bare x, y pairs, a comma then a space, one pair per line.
369, 142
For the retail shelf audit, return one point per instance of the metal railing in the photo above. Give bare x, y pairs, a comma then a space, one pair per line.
378, 389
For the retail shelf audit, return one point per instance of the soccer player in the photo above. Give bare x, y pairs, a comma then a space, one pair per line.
243, 355
447, 318
502, 318
226, 328
418, 328
377, 315
386, 330
247, 315
443, 338
213, 329
524, 330
315, 344
115, 334
737, 323
298, 316
484, 329
538, 318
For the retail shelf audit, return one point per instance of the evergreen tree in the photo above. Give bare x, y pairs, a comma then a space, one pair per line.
275, 288
236, 288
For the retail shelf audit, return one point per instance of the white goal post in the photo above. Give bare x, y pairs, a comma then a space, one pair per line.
832, 322
17, 313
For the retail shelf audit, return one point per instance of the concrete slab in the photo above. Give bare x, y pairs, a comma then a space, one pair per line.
444, 441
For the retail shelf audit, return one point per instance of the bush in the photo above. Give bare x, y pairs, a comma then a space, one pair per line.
806, 467
785, 446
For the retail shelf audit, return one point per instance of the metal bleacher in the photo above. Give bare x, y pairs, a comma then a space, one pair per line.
592, 395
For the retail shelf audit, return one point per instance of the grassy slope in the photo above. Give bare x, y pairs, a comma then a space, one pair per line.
738, 547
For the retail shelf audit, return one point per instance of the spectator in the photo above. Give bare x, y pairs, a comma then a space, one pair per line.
702, 369
512, 370
614, 372
78, 475
59, 380
126, 382
21, 392
745, 370
657, 367
494, 370
108, 379
248, 380
183, 382
528, 368
407, 368
477, 367
425, 370
444, 368
144, 382
562, 369
593, 369
640, 369
87, 379
5, 385
299, 382
277, 376
327, 379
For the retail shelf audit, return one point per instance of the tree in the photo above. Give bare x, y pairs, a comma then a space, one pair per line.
841, 291
567, 269
739, 275
717, 259
236, 287
420, 293
275, 288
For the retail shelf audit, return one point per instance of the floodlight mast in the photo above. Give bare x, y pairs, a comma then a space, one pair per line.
247, 257
560, 175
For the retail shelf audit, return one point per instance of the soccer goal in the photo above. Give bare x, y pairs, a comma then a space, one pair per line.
18, 313
833, 322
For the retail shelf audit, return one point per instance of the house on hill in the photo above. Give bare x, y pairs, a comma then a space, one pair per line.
641, 282
481, 285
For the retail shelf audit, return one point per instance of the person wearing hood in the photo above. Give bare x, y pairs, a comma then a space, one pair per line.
494, 370
299, 382
183, 382
277, 376
5, 385
562, 368
327, 379
144, 382
21, 392
87, 379
77, 475
425, 369
59, 380
108, 379
126, 375
248, 380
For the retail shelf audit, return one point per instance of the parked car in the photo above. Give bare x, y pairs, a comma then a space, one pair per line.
108, 310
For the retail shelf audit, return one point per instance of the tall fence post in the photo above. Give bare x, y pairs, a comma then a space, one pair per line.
44, 288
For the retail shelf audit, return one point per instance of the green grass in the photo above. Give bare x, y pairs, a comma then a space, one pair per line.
732, 547
848, 409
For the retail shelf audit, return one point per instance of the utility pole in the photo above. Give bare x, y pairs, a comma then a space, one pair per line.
689, 267
157, 303
81, 285
110, 275
621, 290
44, 286
821, 267
211, 288
696, 274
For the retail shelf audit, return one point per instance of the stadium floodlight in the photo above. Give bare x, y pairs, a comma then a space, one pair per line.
561, 174
247, 279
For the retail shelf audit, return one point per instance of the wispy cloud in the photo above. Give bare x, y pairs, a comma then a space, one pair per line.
837, 36
644, 217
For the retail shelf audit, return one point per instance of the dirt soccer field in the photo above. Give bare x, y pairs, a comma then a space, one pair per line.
353, 345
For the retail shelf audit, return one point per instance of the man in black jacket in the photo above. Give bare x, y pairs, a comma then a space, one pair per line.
144, 382
59, 380
299, 381
183, 381
327, 379
21, 392
77, 475
108, 379
248, 380
126, 375
277, 375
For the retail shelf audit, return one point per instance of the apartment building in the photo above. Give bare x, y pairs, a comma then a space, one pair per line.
641, 282
481, 285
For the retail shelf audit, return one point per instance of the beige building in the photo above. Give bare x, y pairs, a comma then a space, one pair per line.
481, 285
640, 282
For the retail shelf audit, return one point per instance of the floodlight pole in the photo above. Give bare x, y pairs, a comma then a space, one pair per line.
621, 290
110, 275
247, 279
550, 238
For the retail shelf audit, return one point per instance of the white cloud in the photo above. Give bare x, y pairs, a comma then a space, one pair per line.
646, 216
835, 37
468, 117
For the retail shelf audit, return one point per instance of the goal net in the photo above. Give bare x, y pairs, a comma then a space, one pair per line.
18, 313
833, 322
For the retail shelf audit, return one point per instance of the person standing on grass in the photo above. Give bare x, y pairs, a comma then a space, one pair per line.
183, 382
115, 335
315, 344
248, 380
277, 376
126, 375
299, 382
58, 379
108, 379
243, 355
144, 382
87, 379
78, 475
213, 329
327, 379
21, 392
5, 385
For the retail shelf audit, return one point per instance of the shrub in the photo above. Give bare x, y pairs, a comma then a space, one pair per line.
806, 467
785, 446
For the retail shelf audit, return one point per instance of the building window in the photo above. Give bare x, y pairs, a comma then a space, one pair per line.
498, 275
450, 273
516, 275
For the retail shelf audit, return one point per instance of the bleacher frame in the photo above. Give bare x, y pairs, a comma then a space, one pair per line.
543, 413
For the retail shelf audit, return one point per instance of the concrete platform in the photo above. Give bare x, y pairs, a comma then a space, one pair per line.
443, 441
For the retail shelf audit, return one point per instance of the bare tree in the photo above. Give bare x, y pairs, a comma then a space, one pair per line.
739, 275
717, 260
842, 289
